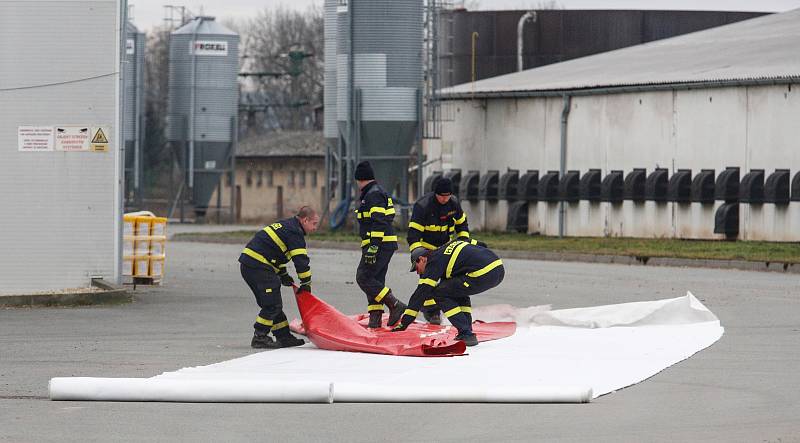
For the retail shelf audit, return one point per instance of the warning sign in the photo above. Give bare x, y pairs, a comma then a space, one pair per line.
130, 46
99, 140
72, 138
34, 138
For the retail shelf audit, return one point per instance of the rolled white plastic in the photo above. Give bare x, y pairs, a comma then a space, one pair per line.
367, 393
190, 391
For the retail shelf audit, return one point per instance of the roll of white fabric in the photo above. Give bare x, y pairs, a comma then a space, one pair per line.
191, 390
373, 393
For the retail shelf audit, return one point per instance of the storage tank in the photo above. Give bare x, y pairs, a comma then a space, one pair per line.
387, 65
203, 88
134, 110
330, 129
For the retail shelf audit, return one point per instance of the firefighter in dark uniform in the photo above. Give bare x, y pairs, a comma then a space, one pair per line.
450, 275
375, 214
263, 266
436, 219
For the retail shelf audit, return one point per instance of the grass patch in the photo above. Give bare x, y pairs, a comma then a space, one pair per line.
632, 247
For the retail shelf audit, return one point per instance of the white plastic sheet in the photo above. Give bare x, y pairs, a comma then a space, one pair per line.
568, 355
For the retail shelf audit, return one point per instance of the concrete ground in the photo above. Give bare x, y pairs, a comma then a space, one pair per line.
743, 388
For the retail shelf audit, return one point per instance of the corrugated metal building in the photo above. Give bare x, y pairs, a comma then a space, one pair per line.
711, 100
60, 160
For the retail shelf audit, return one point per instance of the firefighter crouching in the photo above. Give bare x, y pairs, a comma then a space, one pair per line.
375, 214
436, 219
450, 275
263, 267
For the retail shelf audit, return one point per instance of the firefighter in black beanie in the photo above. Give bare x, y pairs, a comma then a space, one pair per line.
375, 213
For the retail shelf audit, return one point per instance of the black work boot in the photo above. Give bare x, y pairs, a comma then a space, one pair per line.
375, 319
433, 317
468, 338
261, 340
287, 341
396, 308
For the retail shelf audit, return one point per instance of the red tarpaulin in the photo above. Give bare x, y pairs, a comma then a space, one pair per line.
329, 329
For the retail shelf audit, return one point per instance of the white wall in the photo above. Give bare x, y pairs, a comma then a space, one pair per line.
748, 127
59, 64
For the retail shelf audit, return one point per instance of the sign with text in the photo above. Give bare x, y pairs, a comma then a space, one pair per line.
130, 46
207, 47
34, 138
72, 138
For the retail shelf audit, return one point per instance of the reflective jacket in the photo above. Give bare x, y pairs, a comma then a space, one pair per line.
433, 224
375, 214
454, 259
276, 244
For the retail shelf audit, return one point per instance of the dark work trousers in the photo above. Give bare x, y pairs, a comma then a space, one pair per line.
372, 278
452, 296
266, 286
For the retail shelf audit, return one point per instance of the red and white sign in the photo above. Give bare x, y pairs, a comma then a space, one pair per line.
34, 138
207, 47
72, 138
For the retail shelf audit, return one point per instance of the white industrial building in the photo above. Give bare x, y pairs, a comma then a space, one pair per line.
60, 151
727, 97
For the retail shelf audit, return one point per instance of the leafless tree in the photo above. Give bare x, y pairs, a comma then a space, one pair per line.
287, 46
157, 160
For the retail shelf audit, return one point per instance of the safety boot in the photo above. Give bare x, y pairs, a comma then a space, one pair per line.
261, 340
396, 308
433, 317
468, 338
375, 318
287, 341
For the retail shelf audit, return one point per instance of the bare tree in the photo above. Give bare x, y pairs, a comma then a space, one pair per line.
285, 47
157, 160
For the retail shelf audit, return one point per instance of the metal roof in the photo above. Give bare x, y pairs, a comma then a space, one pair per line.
283, 144
204, 26
762, 49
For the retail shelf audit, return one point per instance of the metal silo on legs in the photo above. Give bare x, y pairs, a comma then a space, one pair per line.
203, 100
378, 106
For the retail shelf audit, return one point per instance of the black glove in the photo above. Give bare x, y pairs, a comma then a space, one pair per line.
304, 288
370, 257
400, 327
286, 279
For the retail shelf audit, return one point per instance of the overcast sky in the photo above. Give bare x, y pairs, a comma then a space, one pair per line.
148, 13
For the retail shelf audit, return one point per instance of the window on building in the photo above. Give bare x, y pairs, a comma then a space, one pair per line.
313, 179
303, 178
269, 178
228, 179
249, 179
260, 179
291, 178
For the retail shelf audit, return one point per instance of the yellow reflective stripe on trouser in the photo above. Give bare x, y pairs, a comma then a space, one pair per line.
429, 302
452, 312
466, 309
453, 258
382, 294
299, 251
417, 226
485, 269
306, 274
421, 244
375, 308
275, 239
280, 325
378, 209
263, 321
427, 281
411, 312
253, 254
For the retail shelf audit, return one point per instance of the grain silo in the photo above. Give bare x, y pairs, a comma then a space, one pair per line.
203, 100
133, 113
378, 106
330, 129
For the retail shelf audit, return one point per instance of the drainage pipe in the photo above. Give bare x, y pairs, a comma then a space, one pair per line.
562, 168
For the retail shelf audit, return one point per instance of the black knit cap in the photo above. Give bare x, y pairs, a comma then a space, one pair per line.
443, 186
364, 171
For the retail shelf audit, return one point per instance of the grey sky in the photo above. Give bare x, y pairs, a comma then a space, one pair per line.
148, 13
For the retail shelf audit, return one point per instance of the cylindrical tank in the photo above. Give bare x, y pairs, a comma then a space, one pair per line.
134, 109
387, 66
330, 130
203, 88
